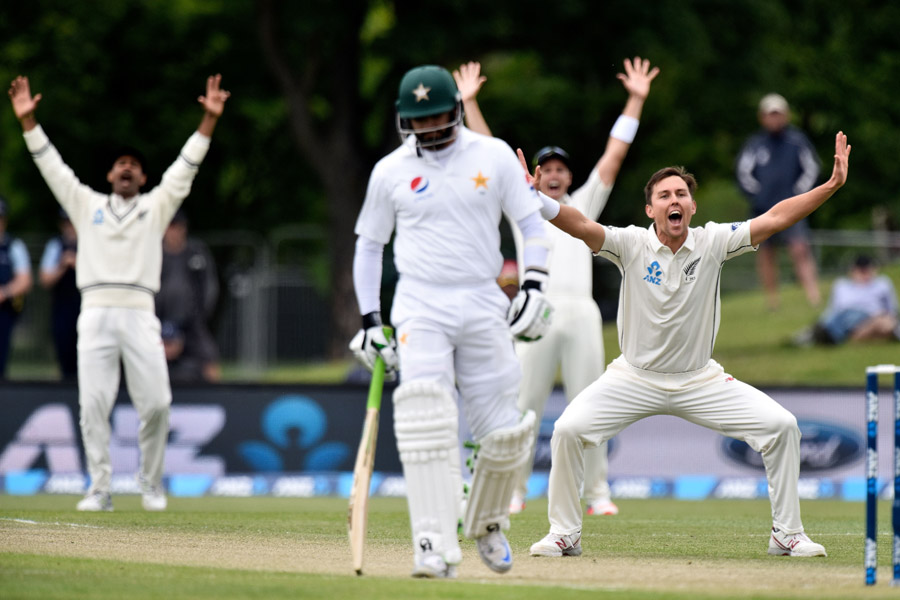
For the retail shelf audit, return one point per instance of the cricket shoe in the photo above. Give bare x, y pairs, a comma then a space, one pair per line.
95, 502
517, 504
494, 549
431, 566
152, 496
602, 507
793, 544
555, 544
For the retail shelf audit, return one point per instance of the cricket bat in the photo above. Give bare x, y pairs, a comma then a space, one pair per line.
362, 471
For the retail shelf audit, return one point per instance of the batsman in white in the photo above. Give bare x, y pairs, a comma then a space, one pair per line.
668, 317
574, 342
443, 191
118, 269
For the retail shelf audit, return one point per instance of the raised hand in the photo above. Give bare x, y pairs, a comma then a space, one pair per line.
533, 180
469, 80
23, 103
214, 100
841, 159
638, 76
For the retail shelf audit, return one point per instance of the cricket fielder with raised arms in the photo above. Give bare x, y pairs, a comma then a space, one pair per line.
669, 312
118, 273
443, 191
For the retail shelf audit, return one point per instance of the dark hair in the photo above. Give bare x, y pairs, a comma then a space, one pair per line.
131, 151
863, 261
670, 172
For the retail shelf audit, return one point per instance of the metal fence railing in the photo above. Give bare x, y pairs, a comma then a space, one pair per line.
273, 304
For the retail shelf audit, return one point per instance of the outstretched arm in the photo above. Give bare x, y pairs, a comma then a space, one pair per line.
469, 81
213, 104
791, 210
567, 218
23, 103
637, 79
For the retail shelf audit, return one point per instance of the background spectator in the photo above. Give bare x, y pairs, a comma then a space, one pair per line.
776, 163
15, 282
57, 274
863, 306
189, 290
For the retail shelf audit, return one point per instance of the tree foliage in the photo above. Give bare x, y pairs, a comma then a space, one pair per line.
314, 82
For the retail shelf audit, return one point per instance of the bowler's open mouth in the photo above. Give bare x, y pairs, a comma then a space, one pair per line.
675, 217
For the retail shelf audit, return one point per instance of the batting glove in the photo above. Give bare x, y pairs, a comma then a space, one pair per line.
370, 342
530, 313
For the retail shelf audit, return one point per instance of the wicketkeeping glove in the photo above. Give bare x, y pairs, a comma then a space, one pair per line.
530, 313
370, 342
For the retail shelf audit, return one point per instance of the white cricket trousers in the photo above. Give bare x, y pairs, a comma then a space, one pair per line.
709, 397
106, 336
574, 343
457, 336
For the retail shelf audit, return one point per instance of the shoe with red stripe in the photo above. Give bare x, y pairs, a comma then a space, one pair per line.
602, 507
517, 504
793, 544
555, 544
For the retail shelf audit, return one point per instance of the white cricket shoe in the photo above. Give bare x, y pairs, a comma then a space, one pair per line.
602, 507
432, 566
494, 549
793, 544
555, 544
517, 504
152, 496
95, 502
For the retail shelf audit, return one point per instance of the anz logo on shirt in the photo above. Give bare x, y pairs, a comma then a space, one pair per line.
98, 217
654, 272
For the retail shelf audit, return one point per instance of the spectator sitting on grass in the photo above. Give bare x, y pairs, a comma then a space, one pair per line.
863, 306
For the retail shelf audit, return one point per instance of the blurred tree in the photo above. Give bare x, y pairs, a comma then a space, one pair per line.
314, 82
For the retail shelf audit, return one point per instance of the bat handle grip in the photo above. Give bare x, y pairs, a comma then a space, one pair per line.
374, 400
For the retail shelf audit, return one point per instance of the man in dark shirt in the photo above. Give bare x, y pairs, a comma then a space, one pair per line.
776, 163
57, 274
187, 297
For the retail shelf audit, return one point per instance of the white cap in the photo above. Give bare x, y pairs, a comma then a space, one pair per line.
773, 103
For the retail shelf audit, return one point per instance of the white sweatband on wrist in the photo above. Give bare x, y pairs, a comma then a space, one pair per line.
549, 206
624, 129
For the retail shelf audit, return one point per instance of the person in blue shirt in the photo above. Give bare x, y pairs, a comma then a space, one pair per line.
15, 282
776, 163
57, 275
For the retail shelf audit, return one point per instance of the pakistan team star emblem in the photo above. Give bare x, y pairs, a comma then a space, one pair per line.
480, 180
421, 92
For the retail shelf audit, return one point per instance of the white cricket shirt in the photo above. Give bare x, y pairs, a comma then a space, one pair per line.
669, 305
446, 212
119, 241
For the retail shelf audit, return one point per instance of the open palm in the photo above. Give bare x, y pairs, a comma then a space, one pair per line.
23, 103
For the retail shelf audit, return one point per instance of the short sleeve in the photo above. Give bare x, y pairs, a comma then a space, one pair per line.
377, 217
733, 237
21, 262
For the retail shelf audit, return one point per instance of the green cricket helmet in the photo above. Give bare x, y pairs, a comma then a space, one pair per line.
425, 91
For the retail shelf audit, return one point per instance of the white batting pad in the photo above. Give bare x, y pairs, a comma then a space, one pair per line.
425, 424
499, 458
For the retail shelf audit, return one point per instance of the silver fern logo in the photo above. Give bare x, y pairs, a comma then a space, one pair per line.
690, 270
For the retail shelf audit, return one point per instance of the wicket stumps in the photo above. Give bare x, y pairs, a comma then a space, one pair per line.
871, 549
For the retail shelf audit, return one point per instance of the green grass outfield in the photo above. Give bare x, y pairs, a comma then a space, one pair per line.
297, 548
